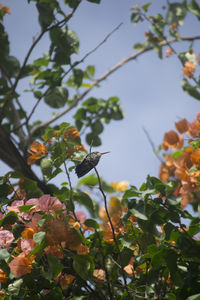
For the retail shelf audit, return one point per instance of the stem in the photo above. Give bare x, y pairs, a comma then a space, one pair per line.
113, 230
104, 264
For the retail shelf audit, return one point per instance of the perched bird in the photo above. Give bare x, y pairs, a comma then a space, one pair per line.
89, 162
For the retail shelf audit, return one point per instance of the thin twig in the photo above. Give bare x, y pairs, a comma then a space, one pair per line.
104, 265
113, 230
80, 97
152, 144
71, 192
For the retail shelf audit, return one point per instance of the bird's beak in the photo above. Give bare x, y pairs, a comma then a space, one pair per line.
105, 152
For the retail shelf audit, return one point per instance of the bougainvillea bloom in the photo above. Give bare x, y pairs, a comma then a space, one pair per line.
182, 126
99, 275
188, 69
21, 264
6, 238
37, 150
66, 280
172, 140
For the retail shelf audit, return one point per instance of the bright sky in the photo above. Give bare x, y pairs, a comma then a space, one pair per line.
149, 88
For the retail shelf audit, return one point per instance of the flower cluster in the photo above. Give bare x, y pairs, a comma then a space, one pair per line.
47, 229
184, 164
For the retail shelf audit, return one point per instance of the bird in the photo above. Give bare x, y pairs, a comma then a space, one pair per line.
88, 163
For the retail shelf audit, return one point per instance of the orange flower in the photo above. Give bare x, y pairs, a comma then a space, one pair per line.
129, 269
188, 69
28, 233
80, 148
72, 134
182, 126
82, 250
37, 150
21, 264
172, 140
3, 276
195, 156
99, 275
168, 52
66, 280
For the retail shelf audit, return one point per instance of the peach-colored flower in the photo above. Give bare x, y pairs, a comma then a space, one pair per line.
182, 126
129, 269
82, 250
21, 264
37, 150
6, 238
172, 140
188, 69
99, 275
168, 52
66, 280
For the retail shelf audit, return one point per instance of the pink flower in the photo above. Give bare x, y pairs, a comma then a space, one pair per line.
15, 206
50, 204
27, 245
6, 238
81, 216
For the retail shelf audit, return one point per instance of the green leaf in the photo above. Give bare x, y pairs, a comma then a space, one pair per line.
91, 223
146, 6
11, 65
85, 200
39, 237
4, 254
171, 260
4, 189
97, 127
191, 90
78, 77
83, 266
94, 1
17, 230
57, 97
89, 181
39, 247
54, 264
10, 219
46, 166
93, 139
25, 208
176, 13
138, 46
138, 214
194, 8
46, 16
173, 200
194, 297
14, 288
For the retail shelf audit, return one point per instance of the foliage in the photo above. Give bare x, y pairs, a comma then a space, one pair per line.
137, 245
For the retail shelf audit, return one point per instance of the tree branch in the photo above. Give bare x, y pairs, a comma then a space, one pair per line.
104, 76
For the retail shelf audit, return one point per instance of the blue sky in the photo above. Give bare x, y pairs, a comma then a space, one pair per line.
149, 88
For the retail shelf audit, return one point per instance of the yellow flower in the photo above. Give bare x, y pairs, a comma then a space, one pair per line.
120, 186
